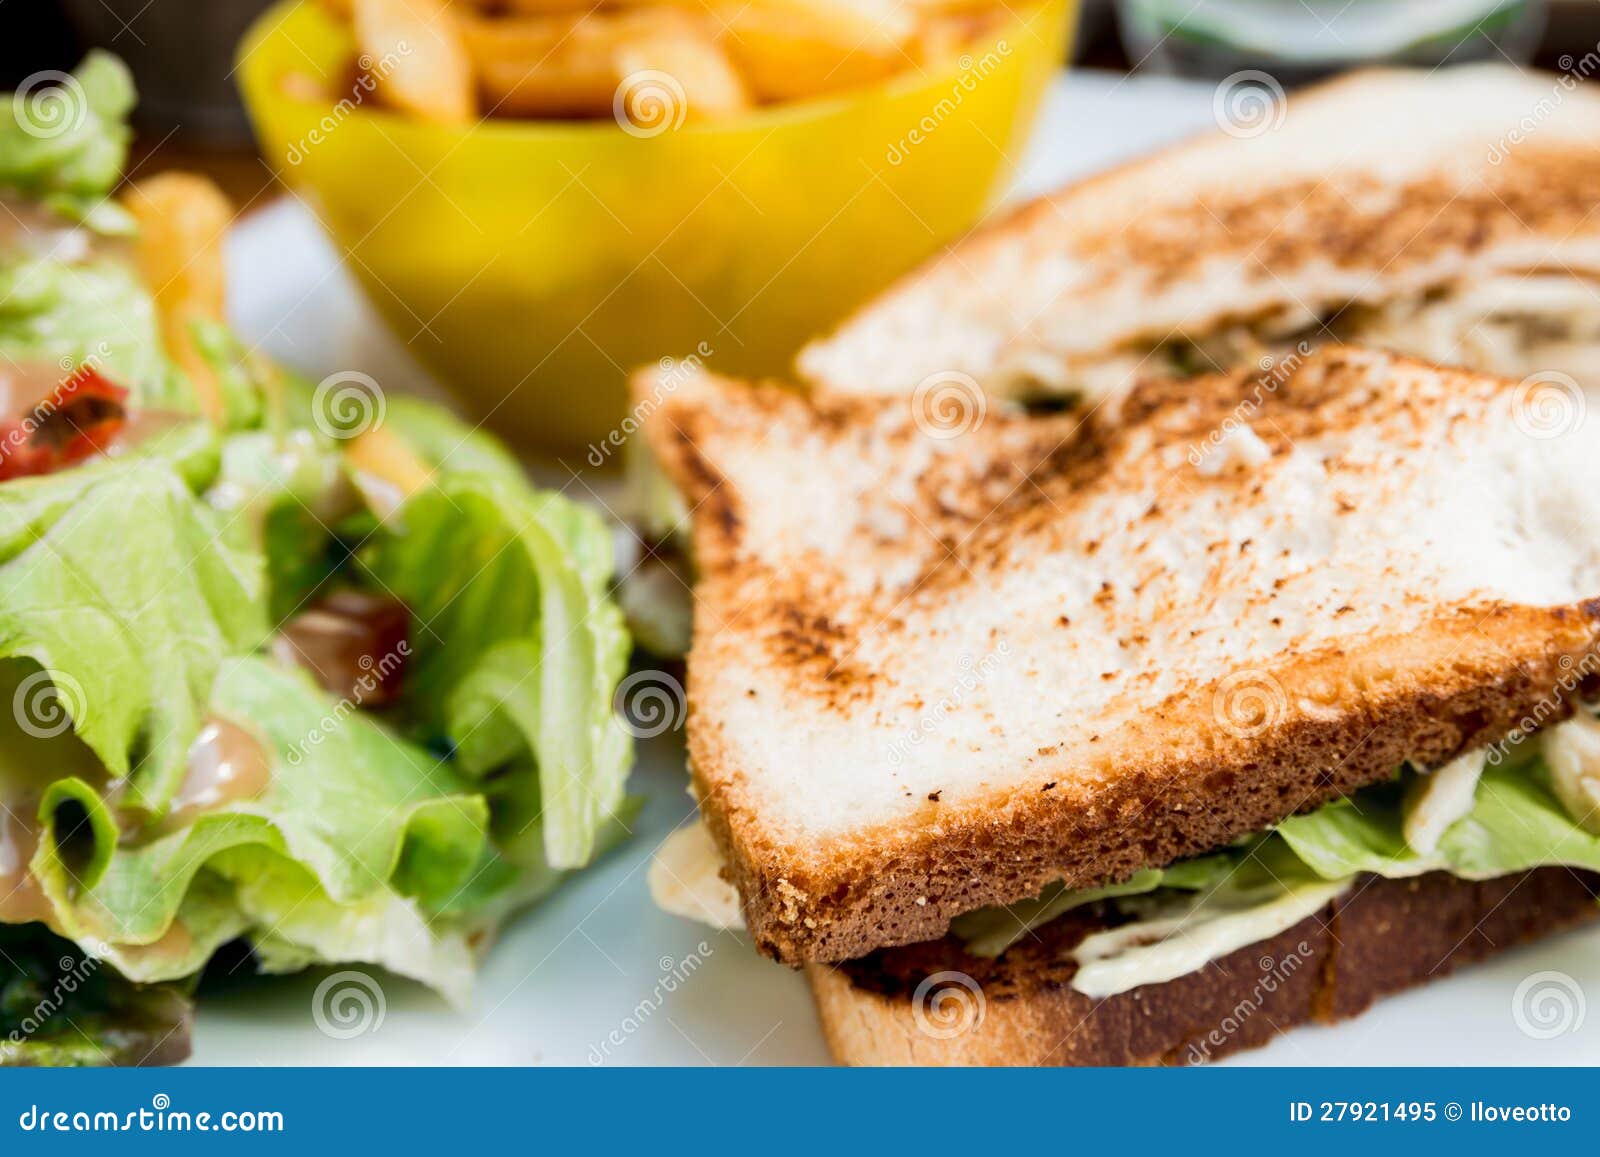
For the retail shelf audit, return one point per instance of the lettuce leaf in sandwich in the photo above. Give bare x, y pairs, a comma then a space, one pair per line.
332, 695
1506, 813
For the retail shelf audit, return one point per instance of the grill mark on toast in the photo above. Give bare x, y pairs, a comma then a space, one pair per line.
1351, 221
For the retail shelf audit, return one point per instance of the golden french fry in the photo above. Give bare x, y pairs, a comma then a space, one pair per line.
874, 26
943, 37
510, 90
527, 40
522, 40
547, 7
952, 7
182, 219
791, 49
542, 66
571, 58
383, 456
413, 49
693, 73
556, 67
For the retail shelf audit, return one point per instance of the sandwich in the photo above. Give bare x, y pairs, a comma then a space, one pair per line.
1450, 215
1446, 214
293, 674
1054, 740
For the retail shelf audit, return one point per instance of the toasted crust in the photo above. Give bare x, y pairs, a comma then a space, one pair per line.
1192, 650
919, 1005
1378, 186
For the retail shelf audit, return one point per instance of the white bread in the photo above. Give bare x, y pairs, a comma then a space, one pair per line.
1380, 186
933, 672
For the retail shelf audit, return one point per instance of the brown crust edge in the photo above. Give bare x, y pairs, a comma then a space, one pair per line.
918, 877
1384, 937
1469, 681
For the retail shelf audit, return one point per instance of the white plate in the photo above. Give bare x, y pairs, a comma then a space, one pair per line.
596, 974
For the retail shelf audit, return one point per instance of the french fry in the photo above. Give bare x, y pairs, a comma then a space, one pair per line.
383, 456
792, 49
943, 37
526, 38
417, 58
523, 40
564, 90
342, 8
542, 66
555, 67
182, 219
707, 83
570, 58
953, 7
574, 8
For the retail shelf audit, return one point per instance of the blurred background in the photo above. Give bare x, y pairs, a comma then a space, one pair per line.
181, 51
528, 261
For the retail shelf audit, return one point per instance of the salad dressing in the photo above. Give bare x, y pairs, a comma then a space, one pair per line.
21, 898
226, 764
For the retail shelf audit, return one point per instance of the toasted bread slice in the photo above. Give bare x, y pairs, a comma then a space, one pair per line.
1379, 187
934, 672
931, 1004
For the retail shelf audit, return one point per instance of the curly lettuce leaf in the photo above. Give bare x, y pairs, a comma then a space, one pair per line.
1516, 824
240, 377
355, 845
522, 647
121, 585
139, 588
70, 297
990, 931
279, 492
88, 313
66, 143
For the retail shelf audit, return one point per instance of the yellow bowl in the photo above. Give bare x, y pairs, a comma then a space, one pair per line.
530, 264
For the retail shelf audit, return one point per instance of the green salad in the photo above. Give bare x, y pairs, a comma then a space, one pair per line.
290, 669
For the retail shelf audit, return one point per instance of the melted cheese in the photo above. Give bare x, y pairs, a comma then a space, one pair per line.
1572, 752
1167, 946
686, 879
1441, 798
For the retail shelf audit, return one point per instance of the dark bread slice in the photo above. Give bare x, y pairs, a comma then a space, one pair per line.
917, 1005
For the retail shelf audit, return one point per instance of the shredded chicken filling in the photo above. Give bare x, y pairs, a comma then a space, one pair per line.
1514, 323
